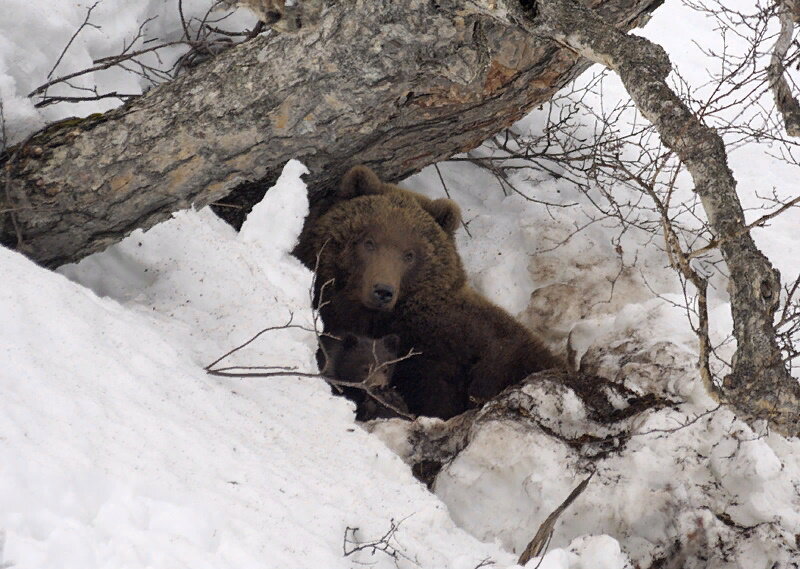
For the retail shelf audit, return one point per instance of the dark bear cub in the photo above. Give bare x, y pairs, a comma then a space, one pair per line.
369, 361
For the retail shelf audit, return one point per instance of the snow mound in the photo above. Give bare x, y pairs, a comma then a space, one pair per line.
118, 450
275, 223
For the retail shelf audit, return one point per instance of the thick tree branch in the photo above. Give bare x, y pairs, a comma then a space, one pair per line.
759, 385
785, 102
394, 85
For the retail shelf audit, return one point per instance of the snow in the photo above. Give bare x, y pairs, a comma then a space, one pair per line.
33, 35
118, 450
274, 224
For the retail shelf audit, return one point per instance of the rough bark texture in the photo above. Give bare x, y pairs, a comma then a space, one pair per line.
788, 105
759, 386
395, 85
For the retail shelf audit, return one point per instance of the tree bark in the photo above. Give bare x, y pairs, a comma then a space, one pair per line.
394, 85
759, 386
785, 102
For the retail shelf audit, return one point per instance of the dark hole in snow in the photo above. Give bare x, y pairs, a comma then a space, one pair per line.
234, 207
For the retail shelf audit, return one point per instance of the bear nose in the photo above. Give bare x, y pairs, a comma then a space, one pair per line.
383, 293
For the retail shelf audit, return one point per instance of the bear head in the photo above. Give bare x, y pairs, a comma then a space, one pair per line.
382, 250
361, 181
359, 359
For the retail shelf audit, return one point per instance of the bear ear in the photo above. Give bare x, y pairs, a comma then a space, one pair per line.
359, 181
392, 343
349, 341
446, 213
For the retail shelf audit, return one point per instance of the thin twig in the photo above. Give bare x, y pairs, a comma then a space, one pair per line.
104, 63
253, 339
72, 39
53, 99
716, 243
447, 193
183, 21
383, 544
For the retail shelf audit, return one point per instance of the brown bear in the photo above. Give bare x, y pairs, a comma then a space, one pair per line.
370, 361
388, 264
359, 359
361, 181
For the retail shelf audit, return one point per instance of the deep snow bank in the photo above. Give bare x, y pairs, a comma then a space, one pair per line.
117, 450
689, 485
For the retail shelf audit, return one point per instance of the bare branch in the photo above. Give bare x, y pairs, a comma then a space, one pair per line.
85, 23
201, 47
545, 532
785, 102
758, 385
253, 339
716, 243
103, 63
185, 26
386, 544
53, 99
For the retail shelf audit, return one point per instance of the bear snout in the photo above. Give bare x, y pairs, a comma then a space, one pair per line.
382, 294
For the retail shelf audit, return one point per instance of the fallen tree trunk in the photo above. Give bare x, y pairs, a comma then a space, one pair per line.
395, 85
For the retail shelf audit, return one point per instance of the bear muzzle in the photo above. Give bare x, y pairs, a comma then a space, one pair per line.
382, 297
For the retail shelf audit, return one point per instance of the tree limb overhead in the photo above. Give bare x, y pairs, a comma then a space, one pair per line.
395, 85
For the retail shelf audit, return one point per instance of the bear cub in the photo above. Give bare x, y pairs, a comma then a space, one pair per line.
369, 361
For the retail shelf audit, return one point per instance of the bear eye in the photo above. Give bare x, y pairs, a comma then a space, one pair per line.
408, 256
369, 244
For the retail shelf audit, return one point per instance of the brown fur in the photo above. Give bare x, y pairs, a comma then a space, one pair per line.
359, 359
361, 181
369, 361
471, 349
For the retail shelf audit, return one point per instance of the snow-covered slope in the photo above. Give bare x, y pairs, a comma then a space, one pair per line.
117, 450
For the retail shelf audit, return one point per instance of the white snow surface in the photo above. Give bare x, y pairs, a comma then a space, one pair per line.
118, 450
35, 33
